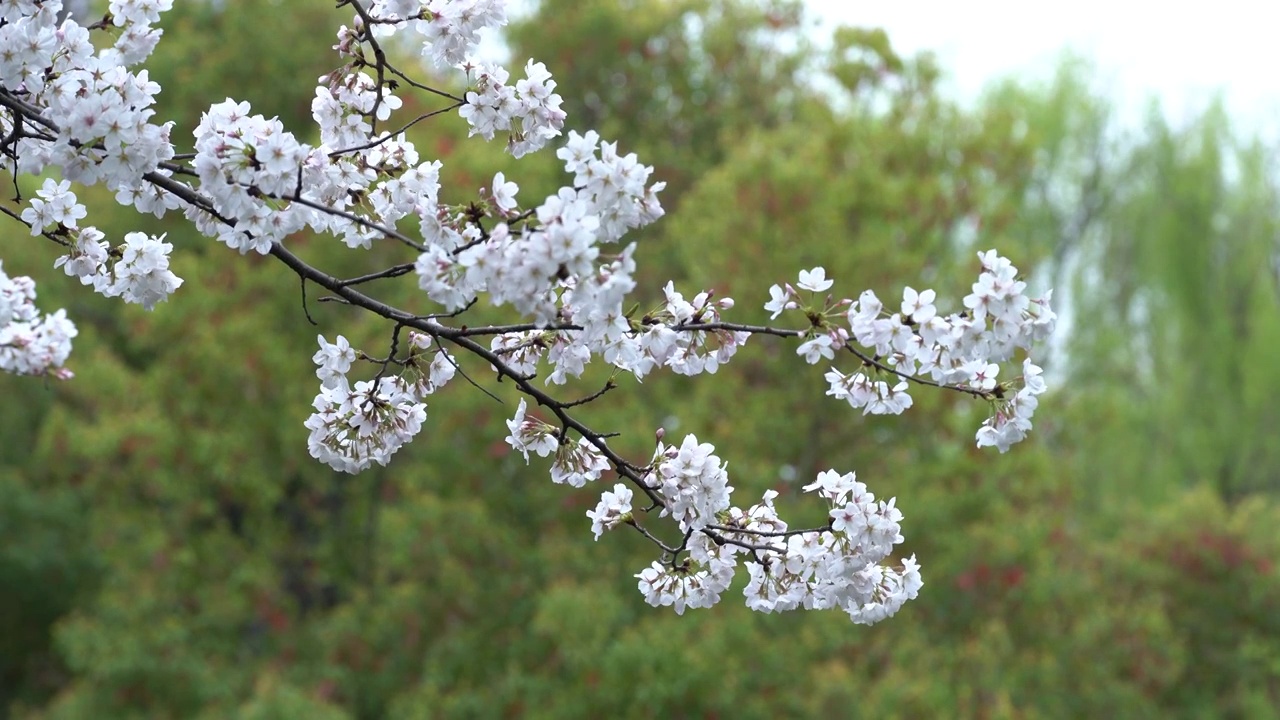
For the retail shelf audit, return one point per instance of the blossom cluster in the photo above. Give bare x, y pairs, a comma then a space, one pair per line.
555, 269
449, 29
963, 349
693, 483
614, 508
141, 272
141, 275
31, 344
102, 135
103, 132
529, 111
574, 464
356, 425
242, 161
266, 185
664, 337
841, 566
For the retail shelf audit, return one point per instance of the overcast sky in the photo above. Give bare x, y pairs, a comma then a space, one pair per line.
1181, 51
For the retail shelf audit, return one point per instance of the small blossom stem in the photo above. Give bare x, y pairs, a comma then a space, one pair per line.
609, 385
459, 102
364, 222
652, 538
767, 533
387, 136
391, 272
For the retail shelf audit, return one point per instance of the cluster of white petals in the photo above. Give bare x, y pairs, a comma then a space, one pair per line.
31, 343
531, 435
448, 29
614, 508
577, 464
241, 158
669, 336
693, 483
574, 464
963, 349
529, 111
356, 425
102, 109
99, 132
556, 269
140, 274
54, 205
842, 566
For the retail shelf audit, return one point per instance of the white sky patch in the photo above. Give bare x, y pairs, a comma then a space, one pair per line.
1182, 53
1179, 53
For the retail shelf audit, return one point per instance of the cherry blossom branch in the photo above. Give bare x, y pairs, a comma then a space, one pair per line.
253, 185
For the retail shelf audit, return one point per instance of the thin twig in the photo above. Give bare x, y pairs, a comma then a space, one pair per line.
593, 396
391, 272
388, 136
305, 311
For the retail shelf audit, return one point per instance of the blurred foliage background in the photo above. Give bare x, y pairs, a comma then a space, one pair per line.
169, 550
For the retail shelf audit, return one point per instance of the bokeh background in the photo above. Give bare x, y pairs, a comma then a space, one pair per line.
169, 550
